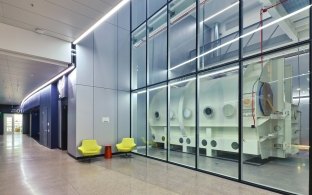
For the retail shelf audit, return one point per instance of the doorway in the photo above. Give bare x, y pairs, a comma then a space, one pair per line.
13, 123
63, 109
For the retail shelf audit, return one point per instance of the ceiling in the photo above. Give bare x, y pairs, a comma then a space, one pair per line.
62, 19
18, 77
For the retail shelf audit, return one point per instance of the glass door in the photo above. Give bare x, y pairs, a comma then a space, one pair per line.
8, 125
13, 123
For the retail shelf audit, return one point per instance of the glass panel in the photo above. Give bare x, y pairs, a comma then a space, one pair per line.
157, 122
138, 121
182, 125
157, 47
272, 24
138, 12
154, 5
218, 121
139, 57
218, 32
276, 120
182, 37
9, 124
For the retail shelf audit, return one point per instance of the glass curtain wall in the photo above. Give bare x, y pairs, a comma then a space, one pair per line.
218, 32
157, 47
275, 124
138, 120
224, 87
182, 121
138, 58
218, 121
157, 121
182, 37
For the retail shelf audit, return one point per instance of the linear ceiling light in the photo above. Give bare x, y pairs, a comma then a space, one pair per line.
48, 83
220, 12
180, 82
141, 92
94, 26
219, 72
244, 35
159, 87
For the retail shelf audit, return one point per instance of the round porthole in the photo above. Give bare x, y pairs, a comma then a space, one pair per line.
163, 138
188, 140
204, 142
181, 140
213, 143
235, 145
187, 113
153, 137
228, 110
208, 111
157, 115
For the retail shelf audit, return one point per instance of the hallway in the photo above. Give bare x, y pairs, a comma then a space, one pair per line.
29, 168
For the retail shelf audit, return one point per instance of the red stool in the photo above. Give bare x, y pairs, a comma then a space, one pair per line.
108, 151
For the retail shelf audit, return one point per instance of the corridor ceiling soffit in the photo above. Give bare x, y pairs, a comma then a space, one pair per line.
62, 19
18, 77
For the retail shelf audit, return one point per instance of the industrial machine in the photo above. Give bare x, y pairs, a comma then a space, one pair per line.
270, 120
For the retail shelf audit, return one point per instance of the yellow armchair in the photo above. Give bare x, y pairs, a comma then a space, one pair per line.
126, 145
89, 148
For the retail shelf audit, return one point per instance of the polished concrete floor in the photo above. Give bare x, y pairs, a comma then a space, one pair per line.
290, 174
29, 168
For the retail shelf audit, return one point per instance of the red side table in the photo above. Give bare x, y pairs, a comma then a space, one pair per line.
108, 151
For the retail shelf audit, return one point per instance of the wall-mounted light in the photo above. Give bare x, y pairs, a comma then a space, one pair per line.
48, 83
94, 26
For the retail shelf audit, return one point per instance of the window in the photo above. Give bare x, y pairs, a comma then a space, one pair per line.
139, 58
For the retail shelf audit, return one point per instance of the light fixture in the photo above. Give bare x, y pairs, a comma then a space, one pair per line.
244, 35
141, 92
48, 83
220, 12
219, 72
180, 82
94, 26
159, 87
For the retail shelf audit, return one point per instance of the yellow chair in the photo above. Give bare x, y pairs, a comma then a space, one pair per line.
89, 148
126, 145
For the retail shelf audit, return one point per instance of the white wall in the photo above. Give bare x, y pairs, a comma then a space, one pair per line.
20, 41
71, 134
102, 85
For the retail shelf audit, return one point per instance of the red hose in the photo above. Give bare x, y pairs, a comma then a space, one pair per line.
262, 10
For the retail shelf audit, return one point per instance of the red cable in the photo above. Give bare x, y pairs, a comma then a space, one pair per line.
262, 10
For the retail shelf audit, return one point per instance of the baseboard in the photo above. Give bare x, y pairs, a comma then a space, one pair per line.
87, 157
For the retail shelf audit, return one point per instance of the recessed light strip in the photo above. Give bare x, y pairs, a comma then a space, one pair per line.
180, 82
220, 12
219, 72
159, 87
94, 26
49, 82
141, 92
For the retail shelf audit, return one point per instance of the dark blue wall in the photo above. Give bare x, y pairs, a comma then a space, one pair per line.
46, 99
35, 128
